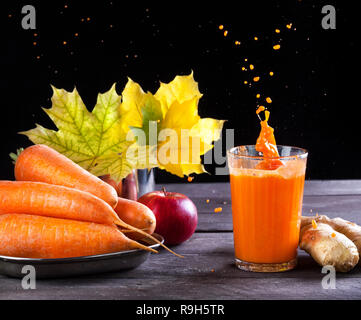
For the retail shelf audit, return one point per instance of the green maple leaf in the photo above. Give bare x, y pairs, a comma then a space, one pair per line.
94, 140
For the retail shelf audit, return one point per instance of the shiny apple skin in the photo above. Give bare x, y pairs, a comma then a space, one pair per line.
176, 215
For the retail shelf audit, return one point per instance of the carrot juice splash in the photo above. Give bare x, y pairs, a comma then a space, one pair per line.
267, 190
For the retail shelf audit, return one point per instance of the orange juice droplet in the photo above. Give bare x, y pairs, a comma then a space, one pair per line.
260, 108
256, 79
276, 47
314, 224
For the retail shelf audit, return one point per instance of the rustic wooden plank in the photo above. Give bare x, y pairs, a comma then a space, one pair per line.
333, 187
222, 190
206, 272
348, 207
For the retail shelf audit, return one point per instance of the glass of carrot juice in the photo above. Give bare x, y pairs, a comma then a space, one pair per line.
267, 196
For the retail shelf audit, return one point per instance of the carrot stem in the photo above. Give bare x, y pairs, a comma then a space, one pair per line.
125, 225
141, 246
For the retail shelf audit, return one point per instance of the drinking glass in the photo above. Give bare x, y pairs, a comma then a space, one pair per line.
266, 207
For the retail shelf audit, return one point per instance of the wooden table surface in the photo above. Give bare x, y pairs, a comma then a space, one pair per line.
208, 271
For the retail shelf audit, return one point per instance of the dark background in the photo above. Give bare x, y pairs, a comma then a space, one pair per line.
315, 89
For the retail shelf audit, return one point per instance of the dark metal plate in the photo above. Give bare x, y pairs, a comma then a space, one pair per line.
68, 267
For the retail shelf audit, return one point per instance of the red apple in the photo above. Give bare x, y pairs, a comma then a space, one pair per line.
176, 215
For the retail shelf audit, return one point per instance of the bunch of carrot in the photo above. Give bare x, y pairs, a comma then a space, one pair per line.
56, 209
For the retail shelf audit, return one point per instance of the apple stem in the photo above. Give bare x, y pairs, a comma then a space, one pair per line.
164, 191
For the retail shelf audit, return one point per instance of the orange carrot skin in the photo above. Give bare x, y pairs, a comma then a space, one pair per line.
43, 164
54, 201
137, 215
30, 236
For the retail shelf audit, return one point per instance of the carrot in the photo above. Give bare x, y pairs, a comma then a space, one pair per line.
43, 164
44, 199
137, 215
30, 236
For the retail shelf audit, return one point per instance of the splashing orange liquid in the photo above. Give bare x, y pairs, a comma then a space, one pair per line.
266, 144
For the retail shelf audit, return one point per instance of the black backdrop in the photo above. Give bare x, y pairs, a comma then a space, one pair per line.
315, 87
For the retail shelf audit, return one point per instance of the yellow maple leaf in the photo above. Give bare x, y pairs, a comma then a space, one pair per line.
180, 89
182, 136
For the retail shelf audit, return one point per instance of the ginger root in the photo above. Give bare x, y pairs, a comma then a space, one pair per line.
335, 242
349, 229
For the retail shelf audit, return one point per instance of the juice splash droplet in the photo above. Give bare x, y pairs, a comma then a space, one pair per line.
266, 144
276, 47
260, 109
314, 224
